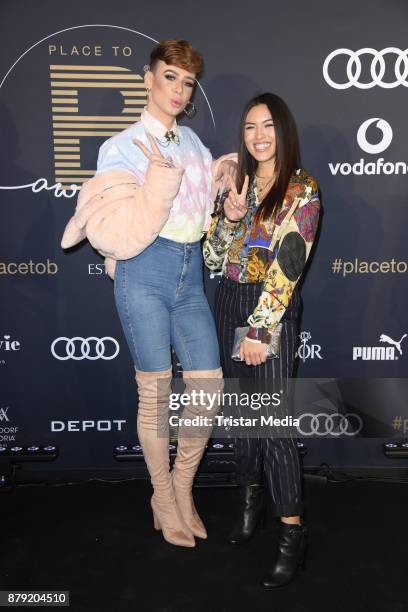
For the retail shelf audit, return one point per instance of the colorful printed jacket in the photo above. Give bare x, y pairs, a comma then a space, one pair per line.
241, 250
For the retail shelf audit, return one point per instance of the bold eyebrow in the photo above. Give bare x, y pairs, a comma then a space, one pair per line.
264, 121
178, 74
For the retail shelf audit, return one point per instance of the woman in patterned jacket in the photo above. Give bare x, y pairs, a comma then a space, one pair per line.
259, 287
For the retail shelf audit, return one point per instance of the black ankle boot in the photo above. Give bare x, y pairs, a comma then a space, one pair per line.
290, 556
251, 514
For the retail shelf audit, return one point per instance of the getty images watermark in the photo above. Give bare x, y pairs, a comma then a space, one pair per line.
295, 408
227, 408
204, 402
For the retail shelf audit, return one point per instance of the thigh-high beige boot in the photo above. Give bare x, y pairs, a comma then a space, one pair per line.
153, 432
192, 442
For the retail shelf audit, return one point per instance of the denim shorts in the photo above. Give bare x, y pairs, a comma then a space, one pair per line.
160, 299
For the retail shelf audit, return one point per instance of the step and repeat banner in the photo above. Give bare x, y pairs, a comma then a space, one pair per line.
71, 76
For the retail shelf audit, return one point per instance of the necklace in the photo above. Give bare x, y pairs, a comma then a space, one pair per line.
168, 138
261, 189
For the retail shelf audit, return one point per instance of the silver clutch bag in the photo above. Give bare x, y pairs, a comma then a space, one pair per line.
273, 345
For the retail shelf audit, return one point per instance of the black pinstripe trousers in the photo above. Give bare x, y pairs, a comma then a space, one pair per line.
273, 460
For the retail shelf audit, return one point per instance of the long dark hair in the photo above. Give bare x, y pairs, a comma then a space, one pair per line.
287, 157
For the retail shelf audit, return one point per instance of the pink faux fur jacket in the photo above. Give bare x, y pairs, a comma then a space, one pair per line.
119, 216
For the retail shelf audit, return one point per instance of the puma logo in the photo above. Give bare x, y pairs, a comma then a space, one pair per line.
385, 338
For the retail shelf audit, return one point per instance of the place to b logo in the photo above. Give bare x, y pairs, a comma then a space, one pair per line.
86, 84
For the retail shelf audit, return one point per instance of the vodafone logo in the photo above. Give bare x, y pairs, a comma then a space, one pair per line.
371, 166
386, 138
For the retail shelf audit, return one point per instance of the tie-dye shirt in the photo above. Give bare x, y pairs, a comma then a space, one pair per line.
241, 250
193, 205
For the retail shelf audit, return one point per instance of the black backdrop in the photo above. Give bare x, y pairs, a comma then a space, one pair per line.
65, 83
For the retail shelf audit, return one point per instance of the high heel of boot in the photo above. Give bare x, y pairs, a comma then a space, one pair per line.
252, 514
156, 522
290, 556
178, 533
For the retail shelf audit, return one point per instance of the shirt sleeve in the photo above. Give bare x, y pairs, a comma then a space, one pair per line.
286, 269
205, 161
218, 240
209, 205
111, 156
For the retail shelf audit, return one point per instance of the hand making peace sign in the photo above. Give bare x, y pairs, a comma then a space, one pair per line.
235, 207
155, 157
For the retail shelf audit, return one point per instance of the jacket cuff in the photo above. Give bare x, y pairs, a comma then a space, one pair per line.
217, 162
162, 182
231, 224
259, 333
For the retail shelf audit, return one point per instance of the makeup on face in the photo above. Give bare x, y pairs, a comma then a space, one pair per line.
259, 133
171, 88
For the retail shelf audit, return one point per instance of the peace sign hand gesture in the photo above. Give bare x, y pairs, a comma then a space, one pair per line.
235, 207
155, 157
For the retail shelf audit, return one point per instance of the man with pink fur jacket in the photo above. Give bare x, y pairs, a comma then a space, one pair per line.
126, 205
145, 211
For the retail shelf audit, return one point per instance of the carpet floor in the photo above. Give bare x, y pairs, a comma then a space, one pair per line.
96, 539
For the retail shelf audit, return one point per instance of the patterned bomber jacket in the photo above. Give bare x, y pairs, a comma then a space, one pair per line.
241, 250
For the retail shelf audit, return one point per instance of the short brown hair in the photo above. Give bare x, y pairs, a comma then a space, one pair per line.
179, 53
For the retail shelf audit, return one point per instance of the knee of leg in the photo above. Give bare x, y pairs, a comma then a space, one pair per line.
204, 379
154, 387
209, 384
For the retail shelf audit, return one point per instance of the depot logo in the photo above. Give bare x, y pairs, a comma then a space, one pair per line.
374, 136
88, 425
30, 267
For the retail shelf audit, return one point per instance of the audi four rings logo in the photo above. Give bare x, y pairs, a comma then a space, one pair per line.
386, 138
335, 424
81, 348
377, 68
